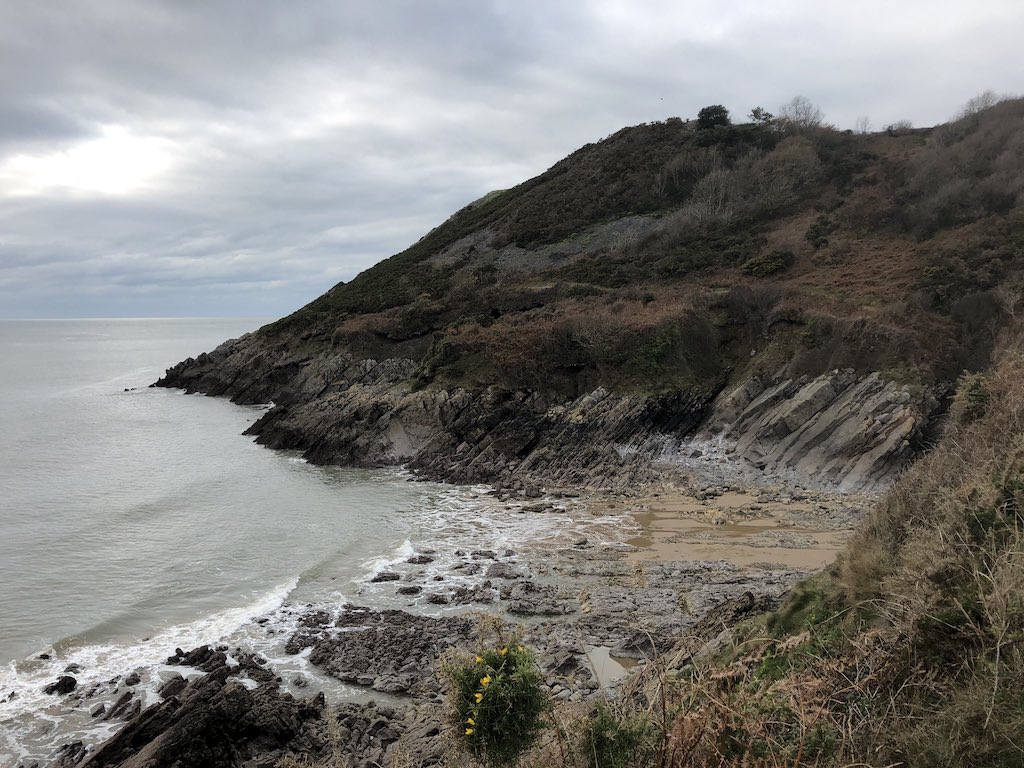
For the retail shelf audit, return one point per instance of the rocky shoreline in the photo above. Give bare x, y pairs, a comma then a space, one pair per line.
841, 430
591, 612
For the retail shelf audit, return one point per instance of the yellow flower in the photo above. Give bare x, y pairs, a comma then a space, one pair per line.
479, 697
503, 651
485, 680
471, 721
469, 731
521, 648
479, 659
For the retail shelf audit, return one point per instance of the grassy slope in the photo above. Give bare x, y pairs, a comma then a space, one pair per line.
814, 249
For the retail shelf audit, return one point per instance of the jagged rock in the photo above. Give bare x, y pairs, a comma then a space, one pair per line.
69, 755
133, 678
480, 593
385, 576
395, 652
61, 686
502, 571
173, 686
839, 429
527, 598
340, 410
126, 706
204, 658
216, 722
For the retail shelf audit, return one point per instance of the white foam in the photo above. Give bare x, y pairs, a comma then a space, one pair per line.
375, 565
21, 683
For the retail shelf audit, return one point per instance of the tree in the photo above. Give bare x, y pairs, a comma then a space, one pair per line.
761, 116
801, 112
977, 104
713, 115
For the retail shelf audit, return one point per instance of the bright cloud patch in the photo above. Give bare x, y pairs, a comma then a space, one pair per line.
117, 163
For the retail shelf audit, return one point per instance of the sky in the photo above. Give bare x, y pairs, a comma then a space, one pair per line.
239, 157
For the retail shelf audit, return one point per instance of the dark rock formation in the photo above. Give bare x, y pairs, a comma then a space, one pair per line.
62, 685
216, 722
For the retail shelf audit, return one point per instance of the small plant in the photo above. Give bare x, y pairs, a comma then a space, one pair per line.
817, 234
499, 702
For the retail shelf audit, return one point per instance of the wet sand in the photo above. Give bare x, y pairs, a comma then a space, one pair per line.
804, 530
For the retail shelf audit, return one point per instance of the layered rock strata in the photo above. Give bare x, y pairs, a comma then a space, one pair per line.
840, 429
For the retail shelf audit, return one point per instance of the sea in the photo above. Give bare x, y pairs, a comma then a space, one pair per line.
137, 520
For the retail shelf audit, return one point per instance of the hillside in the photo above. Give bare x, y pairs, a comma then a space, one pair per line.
906, 653
809, 294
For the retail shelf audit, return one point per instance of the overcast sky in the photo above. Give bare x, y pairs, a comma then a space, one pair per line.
239, 157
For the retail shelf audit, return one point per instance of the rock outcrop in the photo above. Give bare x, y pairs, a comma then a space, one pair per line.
338, 410
839, 430
215, 721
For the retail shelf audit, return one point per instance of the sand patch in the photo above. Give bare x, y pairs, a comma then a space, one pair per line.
744, 527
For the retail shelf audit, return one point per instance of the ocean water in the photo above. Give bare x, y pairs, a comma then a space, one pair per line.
135, 520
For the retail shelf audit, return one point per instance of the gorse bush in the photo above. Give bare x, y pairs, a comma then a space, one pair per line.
499, 702
768, 264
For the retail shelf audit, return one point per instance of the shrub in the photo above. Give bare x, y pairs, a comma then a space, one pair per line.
618, 742
769, 264
817, 234
498, 701
971, 399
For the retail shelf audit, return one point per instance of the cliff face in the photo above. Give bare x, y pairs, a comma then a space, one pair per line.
836, 430
801, 298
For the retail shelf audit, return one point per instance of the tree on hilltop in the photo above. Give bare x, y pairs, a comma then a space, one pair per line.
801, 112
713, 115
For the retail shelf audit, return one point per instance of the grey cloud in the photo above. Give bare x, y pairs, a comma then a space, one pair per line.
311, 140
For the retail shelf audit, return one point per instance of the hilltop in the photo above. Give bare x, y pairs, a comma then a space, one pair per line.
809, 294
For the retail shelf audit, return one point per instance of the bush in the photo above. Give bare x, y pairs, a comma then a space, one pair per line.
499, 703
971, 399
817, 234
618, 742
769, 263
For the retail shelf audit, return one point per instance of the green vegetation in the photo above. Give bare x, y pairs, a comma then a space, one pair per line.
608, 740
769, 264
712, 116
901, 253
498, 702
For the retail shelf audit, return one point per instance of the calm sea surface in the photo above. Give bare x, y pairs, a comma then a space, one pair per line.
132, 522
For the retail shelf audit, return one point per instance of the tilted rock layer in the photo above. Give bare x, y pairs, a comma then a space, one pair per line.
838, 430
